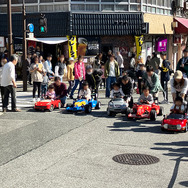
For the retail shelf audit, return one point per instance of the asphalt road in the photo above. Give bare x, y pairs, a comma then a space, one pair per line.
43, 149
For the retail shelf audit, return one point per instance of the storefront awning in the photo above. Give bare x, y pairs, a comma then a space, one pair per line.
52, 40
182, 25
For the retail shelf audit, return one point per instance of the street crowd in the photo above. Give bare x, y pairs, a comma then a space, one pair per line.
147, 78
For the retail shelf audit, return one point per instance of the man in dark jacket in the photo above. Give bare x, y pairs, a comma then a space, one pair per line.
60, 90
127, 88
93, 77
165, 76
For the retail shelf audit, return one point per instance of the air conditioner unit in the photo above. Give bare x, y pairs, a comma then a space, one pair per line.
180, 3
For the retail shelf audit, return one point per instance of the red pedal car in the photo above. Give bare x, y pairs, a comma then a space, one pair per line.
141, 111
175, 122
47, 104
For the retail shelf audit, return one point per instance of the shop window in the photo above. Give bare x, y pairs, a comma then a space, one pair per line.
3, 9
17, 9
159, 2
148, 9
17, 1
121, 0
46, 1
46, 8
145, 1
150, 2
107, 7
3, 2
60, 0
145, 8
92, 7
77, 7
60, 8
107, 0
134, 1
153, 10
121, 7
92, 0
158, 11
135, 8
30, 1
31, 8
78, 0
154, 2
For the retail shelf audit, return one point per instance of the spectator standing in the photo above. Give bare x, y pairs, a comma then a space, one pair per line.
36, 71
61, 68
179, 85
165, 76
60, 91
98, 61
103, 77
9, 83
132, 62
79, 75
44, 85
111, 73
70, 75
183, 63
154, 63
120, 61
148, 60
140, 75
48, 65
3, 62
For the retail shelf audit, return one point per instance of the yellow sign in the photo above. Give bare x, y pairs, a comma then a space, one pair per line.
139, 42
72, 46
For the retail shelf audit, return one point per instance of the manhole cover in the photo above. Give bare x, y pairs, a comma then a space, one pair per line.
135, 159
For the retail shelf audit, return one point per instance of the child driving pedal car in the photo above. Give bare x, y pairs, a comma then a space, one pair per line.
146, 97
116, 91
178, 106
50, 93
85, 92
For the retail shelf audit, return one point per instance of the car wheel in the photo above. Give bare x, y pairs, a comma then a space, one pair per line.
88, 109
37, 110
98, 106
51, 108
161, 111
153, 115
162, 129
59, 105
185, 129
69, 105
109, 113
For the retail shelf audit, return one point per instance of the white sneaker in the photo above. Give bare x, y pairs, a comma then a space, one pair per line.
164, 102
34, 100
38, 99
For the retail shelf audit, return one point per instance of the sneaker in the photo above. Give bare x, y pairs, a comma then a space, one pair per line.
34, 100
164, 102
38, 99
16, 110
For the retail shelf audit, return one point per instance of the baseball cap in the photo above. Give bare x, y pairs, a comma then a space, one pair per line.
71, 59
178, 75
88, 67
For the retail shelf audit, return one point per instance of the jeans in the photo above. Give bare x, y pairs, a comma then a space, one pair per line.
76, 83
44, 90
36, 86
109, 81
2, 93
9, 90
164, 85
71, 84
121, 71
63, 100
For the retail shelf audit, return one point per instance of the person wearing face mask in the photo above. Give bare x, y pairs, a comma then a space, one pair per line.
94, 78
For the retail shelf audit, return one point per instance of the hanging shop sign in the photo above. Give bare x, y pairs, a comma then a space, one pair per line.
2, 42
72, 46
139, 42
88, 46
161, 45
177, 39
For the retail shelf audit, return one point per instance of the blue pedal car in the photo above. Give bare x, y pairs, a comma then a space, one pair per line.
83, 105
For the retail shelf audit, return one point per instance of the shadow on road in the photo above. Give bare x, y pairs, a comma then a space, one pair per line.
179, 153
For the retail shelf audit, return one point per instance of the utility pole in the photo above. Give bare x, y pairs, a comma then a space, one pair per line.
9, 13
24, 65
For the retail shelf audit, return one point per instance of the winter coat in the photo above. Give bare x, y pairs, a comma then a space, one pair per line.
77, 70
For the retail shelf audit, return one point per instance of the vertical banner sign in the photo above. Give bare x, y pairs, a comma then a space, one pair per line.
72, 46
139, 42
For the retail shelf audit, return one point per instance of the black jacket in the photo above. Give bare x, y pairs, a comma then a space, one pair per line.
165, 71
128, 88
94, 79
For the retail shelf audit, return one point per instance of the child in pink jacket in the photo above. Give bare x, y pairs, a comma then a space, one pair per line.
79, 74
